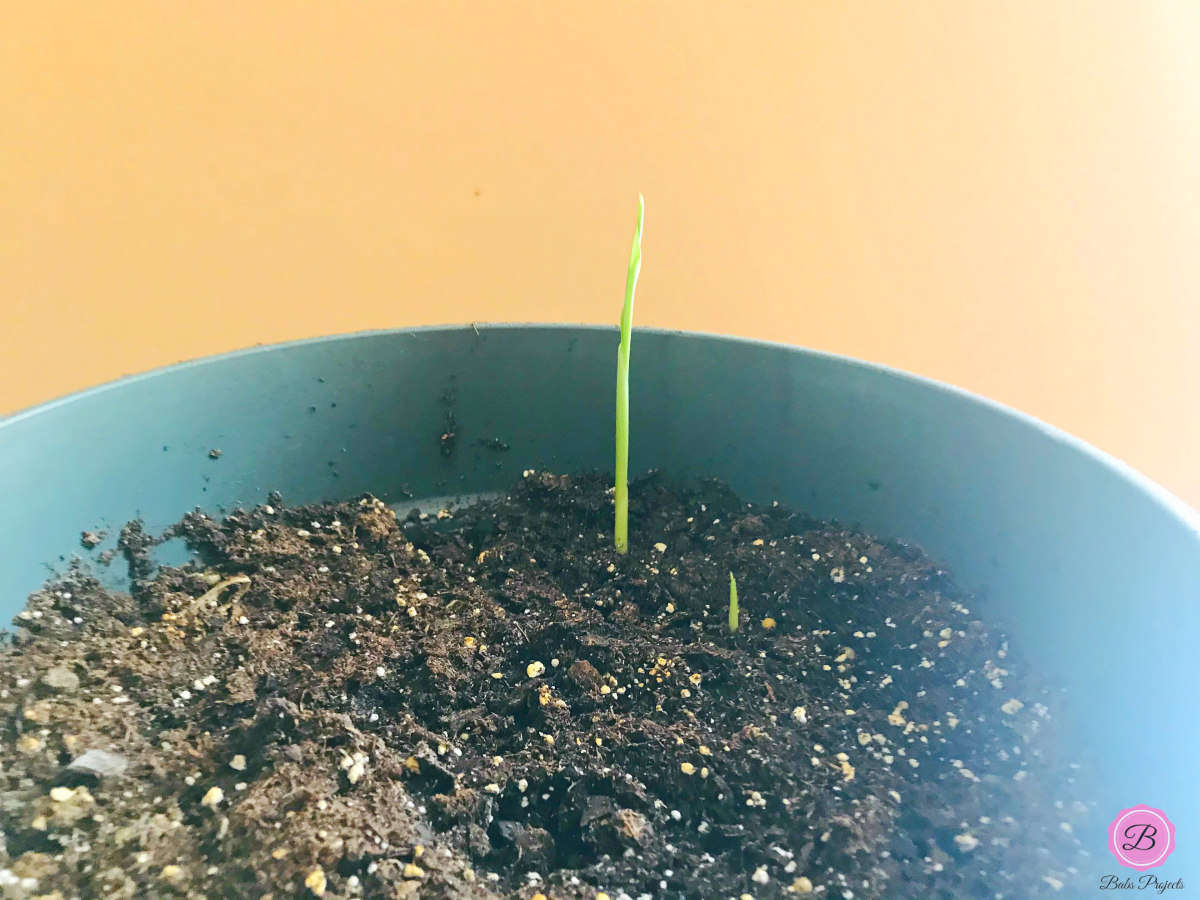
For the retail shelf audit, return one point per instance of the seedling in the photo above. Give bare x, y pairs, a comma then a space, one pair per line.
621, 526
733, 604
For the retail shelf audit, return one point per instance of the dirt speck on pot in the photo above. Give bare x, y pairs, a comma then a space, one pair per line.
334, 702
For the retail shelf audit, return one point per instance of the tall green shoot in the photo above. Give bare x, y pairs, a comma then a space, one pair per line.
733, 604
621, 526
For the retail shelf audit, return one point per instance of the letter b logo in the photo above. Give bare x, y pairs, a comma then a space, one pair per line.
1141, 837
1143, 834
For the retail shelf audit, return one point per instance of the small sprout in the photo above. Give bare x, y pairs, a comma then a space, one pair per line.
733, 603
534, 669
621, 493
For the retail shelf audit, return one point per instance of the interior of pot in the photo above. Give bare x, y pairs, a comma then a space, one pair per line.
1093, 569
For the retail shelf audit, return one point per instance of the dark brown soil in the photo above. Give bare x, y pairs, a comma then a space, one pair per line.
492, 703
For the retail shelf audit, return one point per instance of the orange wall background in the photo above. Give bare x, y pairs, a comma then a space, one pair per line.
1004, 195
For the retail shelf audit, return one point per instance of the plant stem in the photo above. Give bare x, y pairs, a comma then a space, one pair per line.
733, 603
621, 526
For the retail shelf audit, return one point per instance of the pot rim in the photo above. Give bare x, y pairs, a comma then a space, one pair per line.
1185, 514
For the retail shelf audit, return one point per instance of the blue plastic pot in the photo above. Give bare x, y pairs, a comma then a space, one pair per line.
1093, 569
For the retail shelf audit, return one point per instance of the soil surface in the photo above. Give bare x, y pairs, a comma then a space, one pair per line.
491, 703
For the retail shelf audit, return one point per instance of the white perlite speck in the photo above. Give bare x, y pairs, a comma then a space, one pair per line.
966, 842
213, 798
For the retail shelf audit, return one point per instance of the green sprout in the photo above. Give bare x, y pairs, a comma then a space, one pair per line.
621, 528
733, 604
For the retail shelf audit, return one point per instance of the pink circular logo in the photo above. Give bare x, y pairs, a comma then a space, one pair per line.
1141, 837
